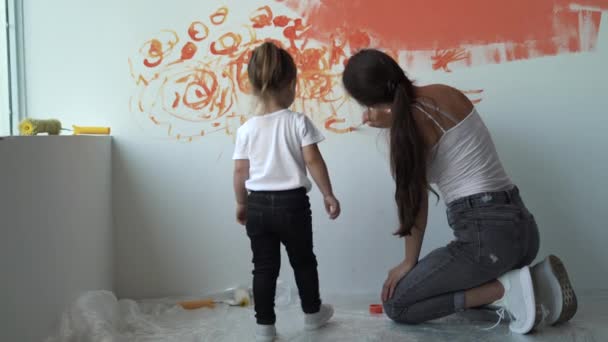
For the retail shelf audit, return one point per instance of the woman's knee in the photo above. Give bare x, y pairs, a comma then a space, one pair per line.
399, 314
391, 311
397, 306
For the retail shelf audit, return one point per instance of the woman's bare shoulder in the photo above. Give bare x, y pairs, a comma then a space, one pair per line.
449, 99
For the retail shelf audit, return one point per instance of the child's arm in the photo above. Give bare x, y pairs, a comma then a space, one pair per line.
318, 170
241, 174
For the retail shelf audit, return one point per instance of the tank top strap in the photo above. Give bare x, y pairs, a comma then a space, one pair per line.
444, 113
421, 108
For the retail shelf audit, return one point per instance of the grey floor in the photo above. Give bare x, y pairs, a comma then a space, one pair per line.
352, 322
99, 317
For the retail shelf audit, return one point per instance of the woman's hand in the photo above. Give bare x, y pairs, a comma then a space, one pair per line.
379, 117
394, 276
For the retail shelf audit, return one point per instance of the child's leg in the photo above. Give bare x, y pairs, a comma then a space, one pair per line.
297, 238
266, 247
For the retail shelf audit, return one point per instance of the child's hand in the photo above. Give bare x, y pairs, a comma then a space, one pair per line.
332, 206
241, 213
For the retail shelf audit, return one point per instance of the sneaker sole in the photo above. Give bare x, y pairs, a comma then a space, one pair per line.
554, 290
525, 279
569, 300
265, 339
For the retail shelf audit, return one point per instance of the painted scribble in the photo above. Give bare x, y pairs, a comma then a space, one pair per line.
192, 81
199, 76
442, 59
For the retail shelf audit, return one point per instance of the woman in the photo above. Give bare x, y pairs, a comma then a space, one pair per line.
438, 137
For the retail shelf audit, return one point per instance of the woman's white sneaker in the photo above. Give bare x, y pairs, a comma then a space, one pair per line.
518, 300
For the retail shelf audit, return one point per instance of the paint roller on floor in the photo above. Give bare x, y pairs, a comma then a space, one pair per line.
31, 127
240, 296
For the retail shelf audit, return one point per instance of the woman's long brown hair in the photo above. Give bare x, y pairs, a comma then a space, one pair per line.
372, 78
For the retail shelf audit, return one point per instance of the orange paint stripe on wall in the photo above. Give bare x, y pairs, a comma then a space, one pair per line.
445, 24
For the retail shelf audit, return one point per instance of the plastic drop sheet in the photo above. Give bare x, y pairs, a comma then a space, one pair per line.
100, 317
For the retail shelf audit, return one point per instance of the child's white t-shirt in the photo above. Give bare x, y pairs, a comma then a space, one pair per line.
273, 145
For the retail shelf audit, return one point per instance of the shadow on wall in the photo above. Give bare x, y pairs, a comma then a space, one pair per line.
173, 218
175, 231
566, 223
128, 200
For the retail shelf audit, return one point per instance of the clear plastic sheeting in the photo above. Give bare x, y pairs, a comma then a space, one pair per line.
100, 317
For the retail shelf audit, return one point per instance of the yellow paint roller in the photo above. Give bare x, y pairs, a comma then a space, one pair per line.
53, 127
198, 304
240, 298
33, 127
80, 130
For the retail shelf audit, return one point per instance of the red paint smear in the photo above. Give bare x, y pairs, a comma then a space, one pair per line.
281, 21
198, 31
155, 52
295, 31
448, 24
188, 51
262, 17
240, 71
176, 101
359, 40
442, 59
337, 49
205, 85
142, 80
188, 90
518, 52
229, 43
332, 121
310, 59
219, 17
494, 55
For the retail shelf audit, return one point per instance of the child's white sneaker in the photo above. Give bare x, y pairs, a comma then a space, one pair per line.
518, 300
265, 333
318, 319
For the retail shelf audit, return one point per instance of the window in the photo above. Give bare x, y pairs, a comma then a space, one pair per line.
12, 76
5, 112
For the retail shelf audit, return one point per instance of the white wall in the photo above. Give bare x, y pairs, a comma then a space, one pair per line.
173, 204
55, 221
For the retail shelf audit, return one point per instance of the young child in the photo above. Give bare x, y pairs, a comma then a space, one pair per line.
272, 152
